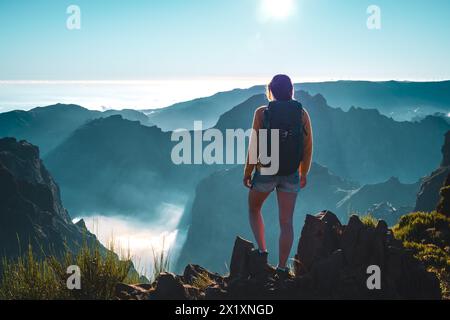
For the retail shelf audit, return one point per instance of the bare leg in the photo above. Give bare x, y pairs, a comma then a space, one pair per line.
286, 206
255, 201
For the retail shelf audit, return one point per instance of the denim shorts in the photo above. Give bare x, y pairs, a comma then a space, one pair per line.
263, 183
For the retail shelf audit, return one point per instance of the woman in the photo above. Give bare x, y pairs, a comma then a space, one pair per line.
295, 152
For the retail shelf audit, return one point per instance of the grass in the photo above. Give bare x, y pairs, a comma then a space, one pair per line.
29, 278
427, 235
369, 220
202, 281
161, 261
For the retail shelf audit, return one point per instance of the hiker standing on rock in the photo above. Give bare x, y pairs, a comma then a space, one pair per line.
295, 152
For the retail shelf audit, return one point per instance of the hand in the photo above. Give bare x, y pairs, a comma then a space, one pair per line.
247, 182
303, 182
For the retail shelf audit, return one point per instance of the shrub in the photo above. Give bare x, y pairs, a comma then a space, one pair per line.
427, 235
369, 220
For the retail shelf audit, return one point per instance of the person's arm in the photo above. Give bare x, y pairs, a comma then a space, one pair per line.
249, 167
305, 164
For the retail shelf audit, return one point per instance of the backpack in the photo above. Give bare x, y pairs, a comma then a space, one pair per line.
287, 117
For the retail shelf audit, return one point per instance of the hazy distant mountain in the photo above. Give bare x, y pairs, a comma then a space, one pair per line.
394, 192
400, 100
358, 144
31, 211
48, 126
129, 114
208, 110
219, 213
113, 165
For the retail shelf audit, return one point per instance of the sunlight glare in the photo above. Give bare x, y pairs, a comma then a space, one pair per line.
277, 9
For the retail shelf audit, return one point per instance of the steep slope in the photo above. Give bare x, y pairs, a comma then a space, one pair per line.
358, 144
428, 196
48, 126
219, 212
31, 211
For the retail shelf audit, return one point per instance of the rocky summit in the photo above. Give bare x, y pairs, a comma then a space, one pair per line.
333, 261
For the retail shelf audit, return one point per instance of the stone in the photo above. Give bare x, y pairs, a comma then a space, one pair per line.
240, 258
319, 238
170, 287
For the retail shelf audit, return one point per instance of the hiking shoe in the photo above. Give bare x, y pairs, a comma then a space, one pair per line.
257, 264
282, 274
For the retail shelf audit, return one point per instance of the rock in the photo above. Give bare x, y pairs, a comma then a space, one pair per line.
192, 272
240, 258
444, 203
130, 292
193, 293
257, 264
31, 210
318, 239
334, 265
215, 293
170, 287
428, 196
326, 273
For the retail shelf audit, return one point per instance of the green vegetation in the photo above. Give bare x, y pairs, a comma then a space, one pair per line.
369, 220
202, 281
428, 236
29, 278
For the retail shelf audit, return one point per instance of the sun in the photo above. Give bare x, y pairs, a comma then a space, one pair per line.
277, 9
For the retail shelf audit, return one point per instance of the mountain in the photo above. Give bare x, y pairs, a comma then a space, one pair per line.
48, 126
392, 192
219, 212
117, 166
359, 144
401, 100
208, 110
31, 211
428, 196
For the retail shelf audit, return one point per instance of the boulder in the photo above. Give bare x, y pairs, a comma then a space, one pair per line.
319, 238
239, 266
170, 287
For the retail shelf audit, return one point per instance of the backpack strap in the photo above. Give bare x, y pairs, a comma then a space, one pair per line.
267, 126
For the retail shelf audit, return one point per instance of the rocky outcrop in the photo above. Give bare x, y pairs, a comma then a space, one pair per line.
428, 196
333, 261
444, 203
31, 212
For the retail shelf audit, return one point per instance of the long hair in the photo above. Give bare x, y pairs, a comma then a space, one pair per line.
280, 88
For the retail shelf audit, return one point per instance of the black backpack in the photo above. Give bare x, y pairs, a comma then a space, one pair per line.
286, 116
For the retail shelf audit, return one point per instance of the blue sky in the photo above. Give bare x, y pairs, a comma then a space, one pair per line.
149, 39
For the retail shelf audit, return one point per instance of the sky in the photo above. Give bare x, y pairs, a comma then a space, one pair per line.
178, 39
